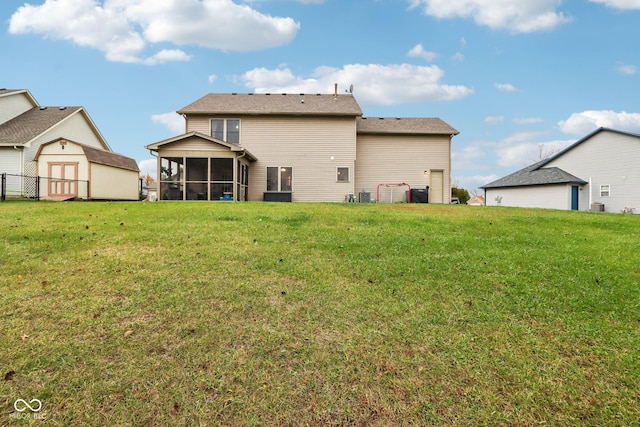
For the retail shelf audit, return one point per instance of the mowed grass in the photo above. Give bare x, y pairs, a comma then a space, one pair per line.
150, 314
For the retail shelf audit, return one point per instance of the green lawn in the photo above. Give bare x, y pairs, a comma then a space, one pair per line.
318, 314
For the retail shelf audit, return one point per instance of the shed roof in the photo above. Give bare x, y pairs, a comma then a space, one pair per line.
398, 125
536, 175
100, 156
274, 104
30, 124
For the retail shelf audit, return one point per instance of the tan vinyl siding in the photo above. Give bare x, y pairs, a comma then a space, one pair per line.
313, 146
200, 124
395, 159
194, 147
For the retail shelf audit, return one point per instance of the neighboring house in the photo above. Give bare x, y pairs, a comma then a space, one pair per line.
300, 147
599, 172
25, 126
476, 201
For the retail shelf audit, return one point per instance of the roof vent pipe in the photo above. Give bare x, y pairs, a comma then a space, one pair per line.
335, 90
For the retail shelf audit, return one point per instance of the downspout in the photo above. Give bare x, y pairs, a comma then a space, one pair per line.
590, 194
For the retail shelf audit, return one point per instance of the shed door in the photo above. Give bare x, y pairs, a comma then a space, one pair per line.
63, 179
435, 189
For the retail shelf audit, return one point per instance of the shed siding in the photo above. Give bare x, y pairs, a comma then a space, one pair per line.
392, 159
540, 196
13, 105
106, 182
113, 183
607, 158
72, 153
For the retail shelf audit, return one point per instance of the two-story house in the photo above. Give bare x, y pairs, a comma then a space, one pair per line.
301, 147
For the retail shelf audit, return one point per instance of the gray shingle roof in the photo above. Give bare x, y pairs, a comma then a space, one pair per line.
274, 104
391, 125
27, 126
535, 175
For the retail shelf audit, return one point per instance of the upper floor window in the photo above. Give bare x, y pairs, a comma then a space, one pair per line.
605, 190
227, 130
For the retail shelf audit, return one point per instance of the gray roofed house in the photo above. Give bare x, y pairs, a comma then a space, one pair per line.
535, 174
301, 147
598, 172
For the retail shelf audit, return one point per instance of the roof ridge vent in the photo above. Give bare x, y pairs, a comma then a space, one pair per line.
43, 108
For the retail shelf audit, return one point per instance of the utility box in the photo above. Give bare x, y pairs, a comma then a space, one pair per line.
419, 195
597, 207
364, 197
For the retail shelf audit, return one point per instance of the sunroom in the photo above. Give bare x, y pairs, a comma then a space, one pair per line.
195, 166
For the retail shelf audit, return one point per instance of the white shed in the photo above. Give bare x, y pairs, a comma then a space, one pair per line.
70, 170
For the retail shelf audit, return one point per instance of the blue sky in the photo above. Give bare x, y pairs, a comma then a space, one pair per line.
518, 79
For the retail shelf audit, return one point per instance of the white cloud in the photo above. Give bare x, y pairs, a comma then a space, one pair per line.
172, 121
418, 52
517, 16
124, 29
212, 78
528, 120
148, 167
587, 121
505, 87
619, 4
527, 153
374, 84
493, 120
627, 69
458, 57
469, 157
